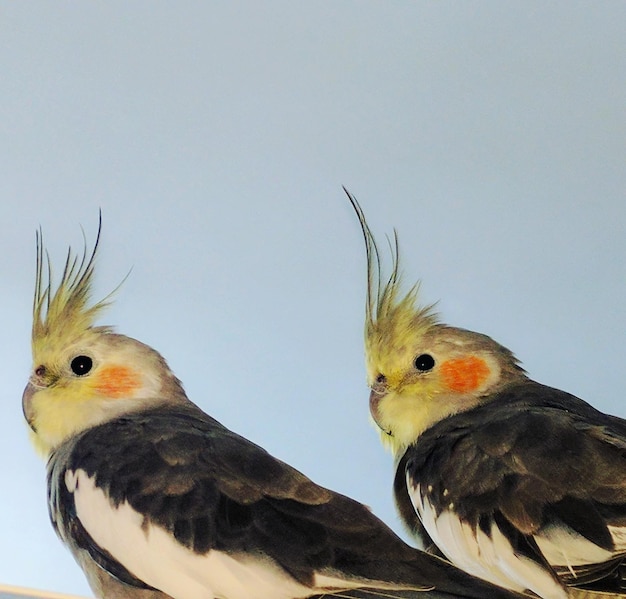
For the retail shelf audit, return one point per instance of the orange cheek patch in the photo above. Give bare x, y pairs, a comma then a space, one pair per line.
464, 374
117, 381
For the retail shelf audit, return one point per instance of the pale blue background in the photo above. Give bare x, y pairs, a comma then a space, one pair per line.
216, 137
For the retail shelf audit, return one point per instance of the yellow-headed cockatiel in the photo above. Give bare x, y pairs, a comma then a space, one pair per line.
514, 482
155, 498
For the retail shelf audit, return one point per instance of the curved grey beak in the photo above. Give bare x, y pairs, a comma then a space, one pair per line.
379, 390
27, 407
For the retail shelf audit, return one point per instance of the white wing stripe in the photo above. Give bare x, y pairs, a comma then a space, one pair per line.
151, 554
564, 547
489, 557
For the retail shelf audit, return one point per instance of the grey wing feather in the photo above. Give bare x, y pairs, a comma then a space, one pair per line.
212, 489
537, 456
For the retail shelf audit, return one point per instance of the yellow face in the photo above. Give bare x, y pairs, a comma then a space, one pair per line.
420, 371
83, 374
418, 380
71, 388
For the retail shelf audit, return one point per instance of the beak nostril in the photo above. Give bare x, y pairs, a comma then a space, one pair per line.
380, 385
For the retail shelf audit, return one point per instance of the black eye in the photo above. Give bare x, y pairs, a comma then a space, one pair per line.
81, 365
424, 362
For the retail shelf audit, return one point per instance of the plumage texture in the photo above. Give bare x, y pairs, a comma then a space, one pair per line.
155, 498
513, 481
391, 317
59, 315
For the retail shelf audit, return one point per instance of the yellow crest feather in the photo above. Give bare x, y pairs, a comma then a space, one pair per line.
389, 315
64, 313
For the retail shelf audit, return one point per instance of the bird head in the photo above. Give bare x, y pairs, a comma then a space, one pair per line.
420, 370
83, 374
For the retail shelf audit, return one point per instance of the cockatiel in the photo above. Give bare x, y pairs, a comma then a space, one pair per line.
514, 482
155, 498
